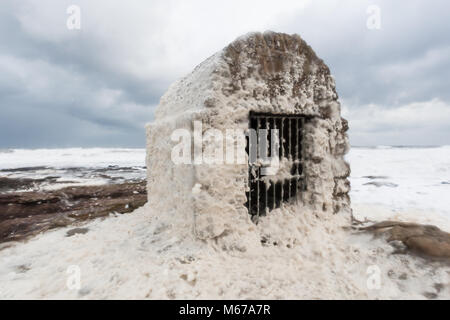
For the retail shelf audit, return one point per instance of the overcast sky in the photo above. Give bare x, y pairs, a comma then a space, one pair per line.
99, 85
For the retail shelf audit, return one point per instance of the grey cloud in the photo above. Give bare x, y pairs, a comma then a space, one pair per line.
356, 54
53, 88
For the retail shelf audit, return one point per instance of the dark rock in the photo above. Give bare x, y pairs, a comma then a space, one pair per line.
439, 287
375, 177
10, 184
84, 291
23, 268
379, 184
403, 276
75, 231
425, 240
430, 295
24, 214
25, 169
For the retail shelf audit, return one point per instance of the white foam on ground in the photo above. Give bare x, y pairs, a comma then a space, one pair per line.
408, 178
140, 255
129, 257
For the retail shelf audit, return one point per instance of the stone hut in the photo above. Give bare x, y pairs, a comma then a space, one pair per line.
264, 85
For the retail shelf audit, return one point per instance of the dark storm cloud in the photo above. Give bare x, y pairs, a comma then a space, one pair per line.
82, 54
406, 60
99, 85
50, 91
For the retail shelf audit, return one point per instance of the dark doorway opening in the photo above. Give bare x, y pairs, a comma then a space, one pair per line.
271, 135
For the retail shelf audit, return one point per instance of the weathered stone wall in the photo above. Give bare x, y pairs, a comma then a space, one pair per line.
268, 72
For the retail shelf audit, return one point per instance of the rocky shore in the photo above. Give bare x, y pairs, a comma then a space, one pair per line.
24, 214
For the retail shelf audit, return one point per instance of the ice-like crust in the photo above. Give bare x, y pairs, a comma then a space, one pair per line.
269, 72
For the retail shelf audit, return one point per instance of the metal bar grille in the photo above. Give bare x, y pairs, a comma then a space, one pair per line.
267, 192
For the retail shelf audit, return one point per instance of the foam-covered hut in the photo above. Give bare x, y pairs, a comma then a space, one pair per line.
260, 81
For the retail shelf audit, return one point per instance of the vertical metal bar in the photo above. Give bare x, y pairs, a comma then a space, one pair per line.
253, 141
299, 156
281, 138
296, 161
249, 199
268, 136
284, 154
258, 171
297, 140
288, 142
299, 133
302, 156
301, 151
296, 155
274, 198
269, 142
294, 138
291, 153
263, 188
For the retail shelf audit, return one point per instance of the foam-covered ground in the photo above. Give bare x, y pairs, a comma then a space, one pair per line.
402, 178
141, 256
